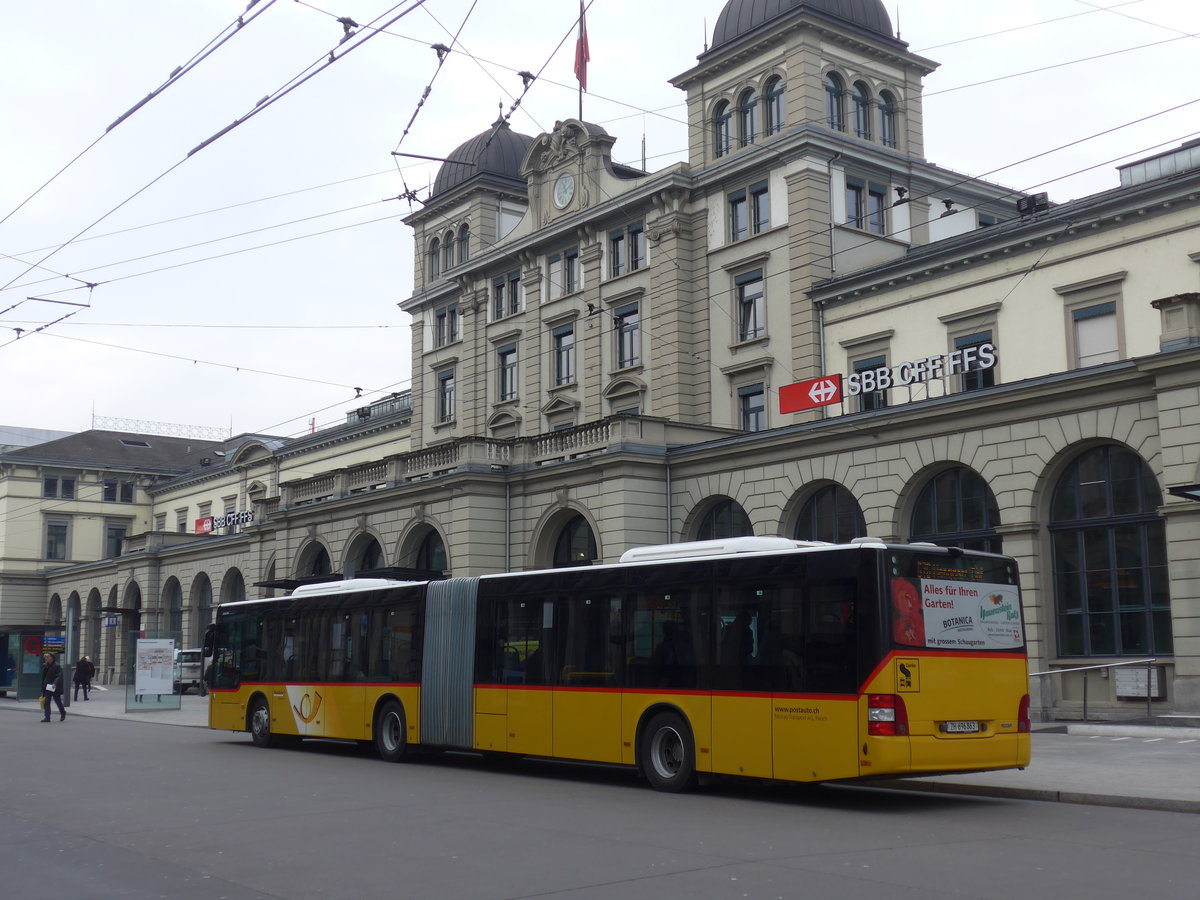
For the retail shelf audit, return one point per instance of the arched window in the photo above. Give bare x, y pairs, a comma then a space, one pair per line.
464, 244
576, 545
887, 119
722, 132
726, 519
1111, 588
173, 601
431, 555
862, 111
956, 508
435, 259
201, 600
448, 251
748, 118
773, 102
835, 91
831, 514
366, 557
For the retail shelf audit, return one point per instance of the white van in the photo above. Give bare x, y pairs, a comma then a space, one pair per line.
189, 671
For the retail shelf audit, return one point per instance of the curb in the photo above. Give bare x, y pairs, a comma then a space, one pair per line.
1157, 804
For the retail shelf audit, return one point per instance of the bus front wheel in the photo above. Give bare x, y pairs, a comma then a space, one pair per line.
390, 738
667, 755
260, 722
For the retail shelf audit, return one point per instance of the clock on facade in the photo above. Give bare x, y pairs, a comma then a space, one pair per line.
564, 190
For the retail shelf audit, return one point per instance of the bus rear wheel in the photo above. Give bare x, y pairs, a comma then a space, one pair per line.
667, 756
390, 737
260, 722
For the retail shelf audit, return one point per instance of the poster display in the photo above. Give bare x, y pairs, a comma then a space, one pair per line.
154, 666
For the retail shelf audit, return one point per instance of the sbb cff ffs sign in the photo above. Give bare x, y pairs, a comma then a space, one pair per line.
810, 394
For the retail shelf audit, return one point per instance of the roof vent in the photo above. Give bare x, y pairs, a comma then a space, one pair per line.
129, 443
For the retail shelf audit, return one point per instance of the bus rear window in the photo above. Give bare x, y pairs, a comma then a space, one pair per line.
954, 602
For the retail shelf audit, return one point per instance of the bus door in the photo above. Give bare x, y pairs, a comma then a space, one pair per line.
524, 704
742, 703
815, 673
588, 654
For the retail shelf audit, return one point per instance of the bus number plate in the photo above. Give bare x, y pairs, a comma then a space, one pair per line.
960, 727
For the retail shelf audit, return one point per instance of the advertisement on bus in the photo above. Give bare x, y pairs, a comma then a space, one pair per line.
954, 608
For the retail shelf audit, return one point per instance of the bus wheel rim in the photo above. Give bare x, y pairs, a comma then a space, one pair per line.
666, 752
259, 721
391, 732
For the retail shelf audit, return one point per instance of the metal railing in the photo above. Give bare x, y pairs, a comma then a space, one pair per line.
1148, 663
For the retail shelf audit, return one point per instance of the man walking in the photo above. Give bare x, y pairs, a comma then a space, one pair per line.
52, 687
83, 677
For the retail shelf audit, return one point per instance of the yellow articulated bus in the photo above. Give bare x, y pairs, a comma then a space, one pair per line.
759, 657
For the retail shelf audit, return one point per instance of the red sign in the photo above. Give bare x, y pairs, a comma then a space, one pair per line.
205, 525
802, 395
33, 645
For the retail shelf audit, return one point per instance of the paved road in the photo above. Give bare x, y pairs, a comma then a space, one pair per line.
100, 807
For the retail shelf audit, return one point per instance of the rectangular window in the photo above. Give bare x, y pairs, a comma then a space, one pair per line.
976, 377
565, 273
617, 259
160, 522
118, 491
445, 396
760, 208
629, 341
637, 247
114, 536
751, 306
181, 520
1096, 336
753, 407
56, 540
506, 295
446, 325
61, 487
866, 205
506, 364
869, 400
514, 293
564, 355
737, 216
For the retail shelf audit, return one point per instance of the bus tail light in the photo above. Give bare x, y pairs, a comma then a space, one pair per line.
886, 715
1023, 724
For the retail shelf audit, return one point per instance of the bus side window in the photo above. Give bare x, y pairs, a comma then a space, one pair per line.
831, 643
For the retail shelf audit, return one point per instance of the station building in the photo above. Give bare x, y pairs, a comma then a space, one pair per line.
806, 329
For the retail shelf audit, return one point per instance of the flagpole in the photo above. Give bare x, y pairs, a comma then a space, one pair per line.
581, 49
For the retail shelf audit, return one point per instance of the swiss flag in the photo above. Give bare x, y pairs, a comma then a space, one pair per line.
582, 54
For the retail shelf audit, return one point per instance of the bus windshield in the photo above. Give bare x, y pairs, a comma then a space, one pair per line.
954, 602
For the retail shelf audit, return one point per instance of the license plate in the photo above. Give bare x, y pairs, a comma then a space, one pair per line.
960, 727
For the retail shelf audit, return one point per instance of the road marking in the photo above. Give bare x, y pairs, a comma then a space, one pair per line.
1188, 741
1151, 740
1114, 740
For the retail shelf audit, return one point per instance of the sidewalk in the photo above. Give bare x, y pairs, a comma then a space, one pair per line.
1124, 765
110, 704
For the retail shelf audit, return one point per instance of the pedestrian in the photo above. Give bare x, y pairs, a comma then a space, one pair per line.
52, 687
83, 677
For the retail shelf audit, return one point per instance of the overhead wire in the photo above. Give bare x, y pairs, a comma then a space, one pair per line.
519, 105
178, 74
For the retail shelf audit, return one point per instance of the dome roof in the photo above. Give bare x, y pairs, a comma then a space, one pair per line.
742, 16
498, 151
